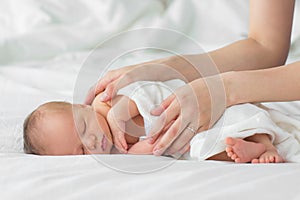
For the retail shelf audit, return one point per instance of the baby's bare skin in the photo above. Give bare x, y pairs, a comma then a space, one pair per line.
135, 145
242, 151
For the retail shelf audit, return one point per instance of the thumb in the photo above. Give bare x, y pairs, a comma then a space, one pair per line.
108, 93
113, 87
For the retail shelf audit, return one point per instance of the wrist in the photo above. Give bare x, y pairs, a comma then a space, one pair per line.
185, 66
171, 67
230, 81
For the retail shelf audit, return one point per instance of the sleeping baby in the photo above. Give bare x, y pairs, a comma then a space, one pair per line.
54, 129
61, 128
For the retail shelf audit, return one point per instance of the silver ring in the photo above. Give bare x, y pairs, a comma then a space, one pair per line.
192, 130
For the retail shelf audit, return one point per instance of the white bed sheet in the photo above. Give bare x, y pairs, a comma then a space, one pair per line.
82, 177
43, 45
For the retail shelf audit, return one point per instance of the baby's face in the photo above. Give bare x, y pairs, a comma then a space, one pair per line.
75, 131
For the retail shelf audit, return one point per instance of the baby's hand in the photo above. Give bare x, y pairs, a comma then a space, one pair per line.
120, 142
117, 127
122, 111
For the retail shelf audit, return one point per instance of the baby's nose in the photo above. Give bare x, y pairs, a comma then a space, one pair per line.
91, 142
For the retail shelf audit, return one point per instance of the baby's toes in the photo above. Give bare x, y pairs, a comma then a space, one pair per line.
255, 161
267, 160
278, 159
229, 149
271, 159
262, 160
229, 154
234, 156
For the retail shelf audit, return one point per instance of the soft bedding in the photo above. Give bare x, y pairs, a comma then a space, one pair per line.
82, 177
44, 45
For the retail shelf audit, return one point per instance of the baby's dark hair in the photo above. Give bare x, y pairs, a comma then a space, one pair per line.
31, 124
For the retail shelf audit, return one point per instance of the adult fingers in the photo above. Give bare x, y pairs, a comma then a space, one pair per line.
167, 139
101, 85
163, 106
169, 115
90, 96
184, 139
113, 87
182, 151
168, 126
157, 136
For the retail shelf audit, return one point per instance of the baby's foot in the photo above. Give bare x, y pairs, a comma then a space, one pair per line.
242, 151
270, 156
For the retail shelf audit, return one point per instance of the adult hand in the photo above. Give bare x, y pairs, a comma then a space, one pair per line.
174, 67
194, 108
107, 84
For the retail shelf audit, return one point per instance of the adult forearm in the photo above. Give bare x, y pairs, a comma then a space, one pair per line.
248, 54
242, 55
275, 84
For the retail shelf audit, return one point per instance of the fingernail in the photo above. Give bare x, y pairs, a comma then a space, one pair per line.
103, 97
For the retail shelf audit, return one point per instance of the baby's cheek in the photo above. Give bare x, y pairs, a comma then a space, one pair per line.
142, 147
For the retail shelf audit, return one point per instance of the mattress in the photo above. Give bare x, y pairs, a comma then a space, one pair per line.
55, 50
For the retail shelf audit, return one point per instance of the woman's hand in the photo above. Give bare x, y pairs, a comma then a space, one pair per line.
174, 67
107, 84
118, 78
191, 109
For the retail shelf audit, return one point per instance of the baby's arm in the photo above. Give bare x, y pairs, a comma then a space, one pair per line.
122, 117
141, 147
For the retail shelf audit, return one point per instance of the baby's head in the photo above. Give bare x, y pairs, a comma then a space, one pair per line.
60, 128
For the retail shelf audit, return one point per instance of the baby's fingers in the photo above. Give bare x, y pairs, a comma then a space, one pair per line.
120, 142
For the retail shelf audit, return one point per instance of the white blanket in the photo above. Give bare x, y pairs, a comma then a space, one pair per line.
245, 120
239, 121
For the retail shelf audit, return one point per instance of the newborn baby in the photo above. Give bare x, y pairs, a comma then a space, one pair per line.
60, 128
